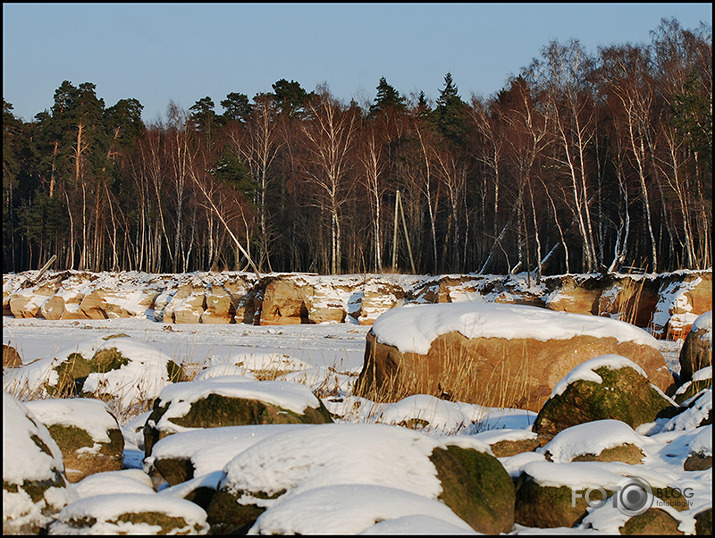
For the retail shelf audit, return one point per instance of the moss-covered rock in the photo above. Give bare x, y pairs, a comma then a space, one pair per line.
86, 432
622, 394
214, 404
135, 514
704, 522
544, 506
73, 372
476, 487
34, 482
653, 521
699, 381
627, 453
226, 515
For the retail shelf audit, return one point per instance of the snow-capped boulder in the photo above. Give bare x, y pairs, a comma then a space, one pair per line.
697, 350
507, 442
655, 521
114, 482
33, 479
493, 354
424, 412
10, 357
283, 468
598, 440
353, 509
216, 402
700, 455
130, 513
114, 367
605, 387
550, 495
700, 380
698, 412
86, 432
186, 455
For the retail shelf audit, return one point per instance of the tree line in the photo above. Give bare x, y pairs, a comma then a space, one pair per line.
580, 163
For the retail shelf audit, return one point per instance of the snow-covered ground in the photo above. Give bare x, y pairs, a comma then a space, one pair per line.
344, 504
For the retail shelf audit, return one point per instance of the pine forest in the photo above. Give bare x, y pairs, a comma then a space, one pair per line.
583, 162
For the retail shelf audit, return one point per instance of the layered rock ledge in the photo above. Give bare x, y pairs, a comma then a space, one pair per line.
666, 303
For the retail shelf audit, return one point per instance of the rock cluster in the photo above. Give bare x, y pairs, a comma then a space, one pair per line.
667, 302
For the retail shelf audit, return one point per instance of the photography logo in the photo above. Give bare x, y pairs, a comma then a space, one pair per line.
634, 496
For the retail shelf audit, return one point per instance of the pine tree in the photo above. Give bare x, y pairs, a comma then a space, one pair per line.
450, 114
236, 107
203, 117
290, 98
387, 99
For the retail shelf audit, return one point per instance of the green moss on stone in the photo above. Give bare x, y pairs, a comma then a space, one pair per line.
73, 372
550, 506
653, 521
623, 395
70, 438
476, 487
160, 519
693, 388
627, 453
175, 470
704, 522
226, 516
216, 410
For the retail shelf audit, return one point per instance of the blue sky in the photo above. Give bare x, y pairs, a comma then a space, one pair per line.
157, 53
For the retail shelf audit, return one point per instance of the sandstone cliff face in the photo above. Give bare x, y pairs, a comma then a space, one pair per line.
667, 303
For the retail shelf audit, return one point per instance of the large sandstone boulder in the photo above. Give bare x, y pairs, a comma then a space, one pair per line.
606, 387
696, 352
493, 354
130, 513
216, 402
321, 461
33, 479
86, 432
285, 302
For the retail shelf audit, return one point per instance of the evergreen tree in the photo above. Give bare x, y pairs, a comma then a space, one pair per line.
203, 117
388, 98
290, 98
450, 114
236, 107
693, 118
